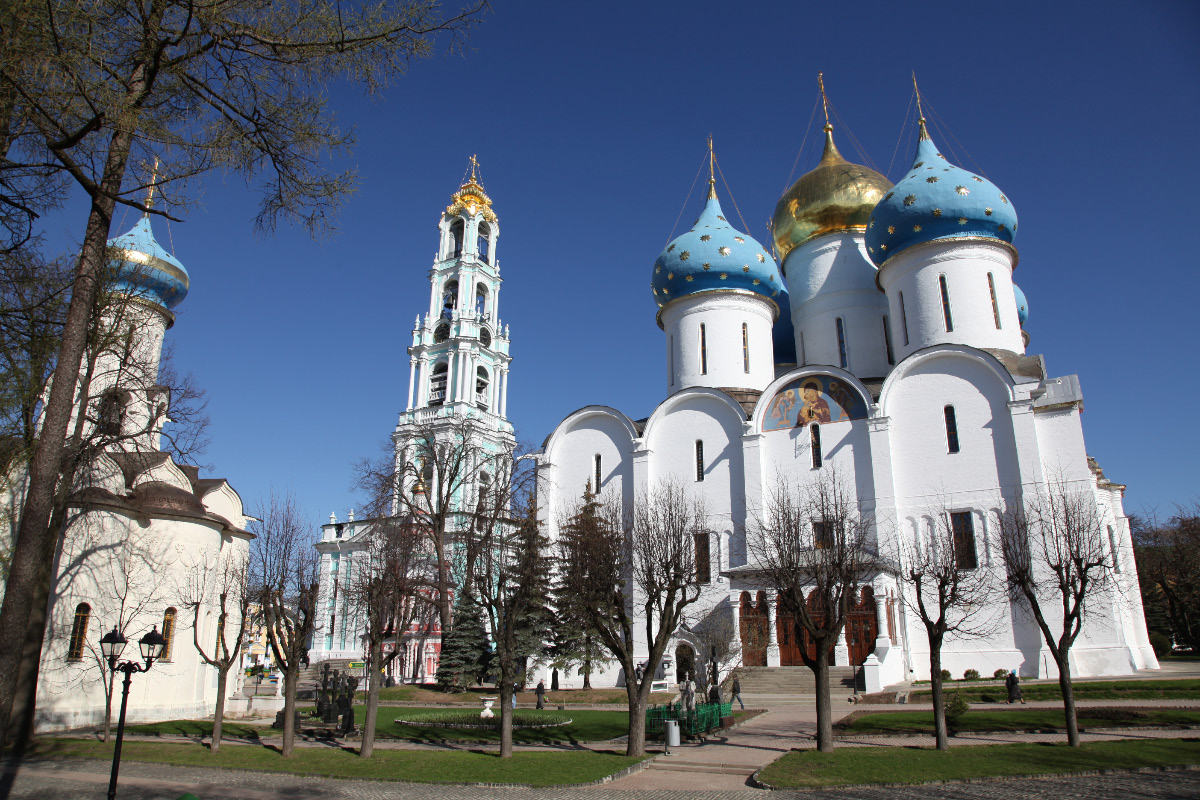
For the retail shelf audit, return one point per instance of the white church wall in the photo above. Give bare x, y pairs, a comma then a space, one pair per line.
722, 362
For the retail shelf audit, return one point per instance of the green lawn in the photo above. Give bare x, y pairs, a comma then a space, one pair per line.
1019, 720
421, 766
856, 765
587, 725
1084, 690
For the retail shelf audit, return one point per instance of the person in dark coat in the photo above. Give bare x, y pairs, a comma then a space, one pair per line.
736, 692
1013, 684
540, 691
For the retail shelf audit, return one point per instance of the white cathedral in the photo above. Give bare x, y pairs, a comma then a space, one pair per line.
886, 345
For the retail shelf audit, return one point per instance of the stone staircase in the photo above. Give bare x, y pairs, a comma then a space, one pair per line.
793, 681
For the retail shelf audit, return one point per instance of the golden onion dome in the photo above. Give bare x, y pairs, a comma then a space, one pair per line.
835, 196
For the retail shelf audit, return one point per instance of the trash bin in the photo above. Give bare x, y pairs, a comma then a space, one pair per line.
672, 729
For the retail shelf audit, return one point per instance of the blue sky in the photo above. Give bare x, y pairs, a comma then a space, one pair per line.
590, 121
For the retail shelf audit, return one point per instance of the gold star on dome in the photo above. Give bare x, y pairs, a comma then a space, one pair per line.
962, 220
889, 195
706, 265
745, 267
670, 276
771, 279
775, 293
723, 251
657, 269
918, 164
977, 178
762, 259
724, 275
687, 278
721, 218
739, 239
932, 179
937, 212
672, 247
757, 281
916, 228
883, 247
705, 238
1003, 199
871, 250
908, 201
685, 255
871, 224
891, 228
1000, 227
964, 191
942, 157
988, 211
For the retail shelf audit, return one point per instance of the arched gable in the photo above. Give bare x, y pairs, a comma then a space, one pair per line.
576, 419
728, 410
859, 403
923, 358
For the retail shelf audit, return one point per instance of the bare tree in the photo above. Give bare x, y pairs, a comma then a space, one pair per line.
442, 463
716, 633
225, 588
512, 580
646, 561
1058, 563
286, 587
88, 91
1168, 561
948, 591
811, 544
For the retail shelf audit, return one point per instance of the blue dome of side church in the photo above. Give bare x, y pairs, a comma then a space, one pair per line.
146, 269
1022, 305
714, 257
938, 201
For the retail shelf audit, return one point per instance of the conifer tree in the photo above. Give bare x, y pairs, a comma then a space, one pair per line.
465, 656
573, 641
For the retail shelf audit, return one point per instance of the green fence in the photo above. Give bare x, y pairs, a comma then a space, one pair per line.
705, 717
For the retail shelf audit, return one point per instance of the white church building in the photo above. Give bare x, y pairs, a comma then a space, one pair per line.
887, 344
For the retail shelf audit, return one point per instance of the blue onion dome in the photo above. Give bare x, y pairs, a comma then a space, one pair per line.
783, 333
1022, 305
145, 269
714, 257
937, 201
835, 196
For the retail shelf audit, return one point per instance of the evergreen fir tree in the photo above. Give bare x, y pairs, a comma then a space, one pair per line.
573, 642
466, 655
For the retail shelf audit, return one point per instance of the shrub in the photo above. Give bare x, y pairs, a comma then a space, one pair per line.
971, 675
946, 675
955, 707
1000, 673
1160, 642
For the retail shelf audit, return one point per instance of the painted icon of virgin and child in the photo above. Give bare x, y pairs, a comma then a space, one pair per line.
807, 404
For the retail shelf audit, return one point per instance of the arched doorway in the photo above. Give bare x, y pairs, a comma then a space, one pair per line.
861, 626
792, 636
753, 626
685, 663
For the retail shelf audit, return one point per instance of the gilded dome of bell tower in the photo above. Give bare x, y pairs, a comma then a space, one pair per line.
835, 196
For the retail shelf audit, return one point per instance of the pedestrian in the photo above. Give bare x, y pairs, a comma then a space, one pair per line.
689, 694
736, 689
516, 688
1013, 684
540, 691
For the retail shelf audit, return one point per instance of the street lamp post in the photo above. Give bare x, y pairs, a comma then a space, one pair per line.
111, 645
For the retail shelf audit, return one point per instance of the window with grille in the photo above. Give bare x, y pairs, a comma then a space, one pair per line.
699, 460
703, 558
903, 319
841, 339
746, 348
951, 429
83, 613
963, 526
995, 305
823, 534
168, 633
597, 471
703, 351
946, 304
887, 341
814, 440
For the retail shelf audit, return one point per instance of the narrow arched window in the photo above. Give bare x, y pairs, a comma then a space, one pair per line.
703, 558
703, 351
841, 337
962, 525
456, 238
597, 471
485, 240
168, 633
814, 441
449, 298
482, 380
745, 348
110, 414
699, 460
437, 383
946, 304
903, 320
887, 341
995, 305
481, 300
79, 632
951, 430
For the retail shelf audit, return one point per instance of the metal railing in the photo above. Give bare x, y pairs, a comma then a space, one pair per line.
704, 718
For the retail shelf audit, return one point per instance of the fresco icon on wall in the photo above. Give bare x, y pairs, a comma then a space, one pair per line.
814, 398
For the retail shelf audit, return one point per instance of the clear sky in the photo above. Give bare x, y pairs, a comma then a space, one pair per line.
590, 120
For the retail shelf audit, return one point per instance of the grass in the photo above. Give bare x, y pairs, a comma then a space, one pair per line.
587, 725
854, 765
420, 766
1188, 689
900, 722
472, 697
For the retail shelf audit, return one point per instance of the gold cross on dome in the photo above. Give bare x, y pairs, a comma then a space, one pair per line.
474, 164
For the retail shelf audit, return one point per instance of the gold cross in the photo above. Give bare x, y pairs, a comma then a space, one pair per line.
474, 164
